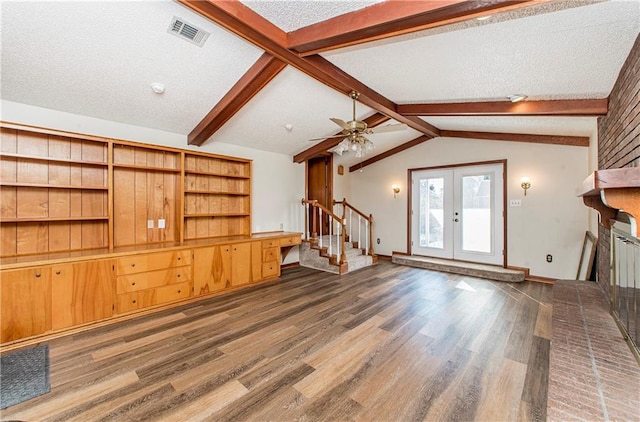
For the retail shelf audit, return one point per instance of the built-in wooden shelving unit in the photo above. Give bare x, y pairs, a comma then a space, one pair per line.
54, 192
67, 192
217, 196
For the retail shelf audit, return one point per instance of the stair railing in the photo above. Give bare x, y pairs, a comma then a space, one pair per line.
362, 223
313, 229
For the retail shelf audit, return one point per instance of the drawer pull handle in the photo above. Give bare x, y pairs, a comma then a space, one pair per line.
179, 291
179, 258
178, 275
134, 301
133, 265
58, 272
38, 274
133, 284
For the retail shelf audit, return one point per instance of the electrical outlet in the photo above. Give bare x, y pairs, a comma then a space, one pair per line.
549, 258
161, 223
281, 226
378, 241
149, 224
515, 202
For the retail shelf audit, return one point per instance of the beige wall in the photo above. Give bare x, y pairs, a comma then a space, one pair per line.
551, 220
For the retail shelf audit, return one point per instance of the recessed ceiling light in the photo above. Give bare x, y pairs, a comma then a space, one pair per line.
517, 97
483, 18
157, 87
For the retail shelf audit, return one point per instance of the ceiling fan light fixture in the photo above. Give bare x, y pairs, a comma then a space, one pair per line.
515, 98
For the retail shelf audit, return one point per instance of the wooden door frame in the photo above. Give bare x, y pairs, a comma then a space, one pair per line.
478, 163
329, 181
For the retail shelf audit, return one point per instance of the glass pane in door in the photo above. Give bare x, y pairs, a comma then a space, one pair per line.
477, 218
432, 212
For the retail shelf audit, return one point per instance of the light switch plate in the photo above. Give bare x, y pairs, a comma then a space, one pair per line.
149, 224
515, 202
161, 223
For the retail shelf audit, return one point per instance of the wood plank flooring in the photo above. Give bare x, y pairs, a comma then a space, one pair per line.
386, 343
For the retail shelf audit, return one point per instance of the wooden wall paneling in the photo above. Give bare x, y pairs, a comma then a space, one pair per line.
8, 236
8, 194
155, 204
59, 199
123, 206
32, 238
140, 210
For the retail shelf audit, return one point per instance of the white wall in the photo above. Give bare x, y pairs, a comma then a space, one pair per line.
278, 183
552, 219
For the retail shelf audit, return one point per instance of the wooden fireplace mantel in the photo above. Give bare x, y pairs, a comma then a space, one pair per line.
608, 191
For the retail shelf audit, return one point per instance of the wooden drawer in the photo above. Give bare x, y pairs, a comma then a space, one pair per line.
128, 302
152, 261
290, 240
151, 279
270, 254
270, 243
270, 269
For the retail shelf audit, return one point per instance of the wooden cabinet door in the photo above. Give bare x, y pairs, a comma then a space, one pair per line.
25, 303
240, 264
211, 269
81, 293
256, 261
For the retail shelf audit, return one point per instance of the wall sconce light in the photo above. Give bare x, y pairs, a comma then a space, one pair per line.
525, 183
396, 190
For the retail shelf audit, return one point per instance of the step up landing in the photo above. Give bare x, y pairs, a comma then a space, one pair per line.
489, 272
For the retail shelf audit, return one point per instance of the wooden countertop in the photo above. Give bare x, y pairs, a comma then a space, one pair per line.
86, 255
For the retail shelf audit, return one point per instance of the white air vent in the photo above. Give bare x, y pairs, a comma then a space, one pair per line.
180, 28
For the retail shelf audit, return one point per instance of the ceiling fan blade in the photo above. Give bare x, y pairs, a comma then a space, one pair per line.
340, 123
387, 128
327, 137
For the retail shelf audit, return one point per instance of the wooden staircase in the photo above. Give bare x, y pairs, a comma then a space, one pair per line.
319, 258
346, 244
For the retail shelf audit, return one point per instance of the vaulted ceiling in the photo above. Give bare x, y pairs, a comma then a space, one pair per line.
433, 65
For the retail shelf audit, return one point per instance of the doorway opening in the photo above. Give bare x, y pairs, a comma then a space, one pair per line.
319, 174
458, 212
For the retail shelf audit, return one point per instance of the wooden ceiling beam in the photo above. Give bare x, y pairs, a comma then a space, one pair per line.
392, 18
241, 20
390, 152
578, 141
324, 69
260, 74
593, 107
371, 121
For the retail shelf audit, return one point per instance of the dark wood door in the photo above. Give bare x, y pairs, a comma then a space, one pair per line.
320, 183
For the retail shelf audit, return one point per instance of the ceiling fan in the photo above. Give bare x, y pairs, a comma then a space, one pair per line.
353, 133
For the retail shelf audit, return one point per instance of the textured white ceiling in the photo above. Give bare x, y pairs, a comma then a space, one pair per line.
290, 15
572, 53
98, 58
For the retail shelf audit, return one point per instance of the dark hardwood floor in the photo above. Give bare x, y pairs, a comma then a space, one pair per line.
386, 343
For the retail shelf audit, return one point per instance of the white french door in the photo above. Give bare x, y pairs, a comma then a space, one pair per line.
458, 213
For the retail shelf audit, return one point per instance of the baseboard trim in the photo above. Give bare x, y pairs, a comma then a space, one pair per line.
539, 279
385, 257
289, 265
